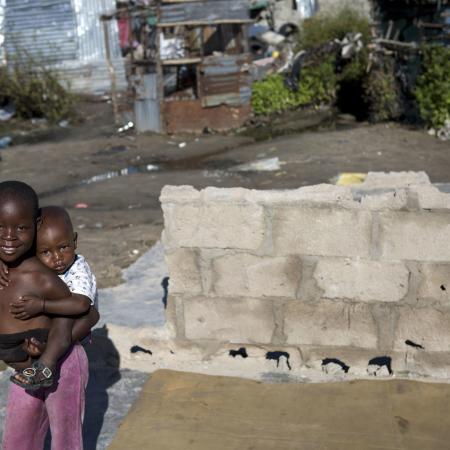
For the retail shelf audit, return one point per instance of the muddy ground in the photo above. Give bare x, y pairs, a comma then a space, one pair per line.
111, 183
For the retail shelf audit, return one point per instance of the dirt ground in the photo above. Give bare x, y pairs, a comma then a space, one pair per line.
111, 183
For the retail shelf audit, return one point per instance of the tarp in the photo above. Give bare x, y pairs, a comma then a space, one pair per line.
180, 411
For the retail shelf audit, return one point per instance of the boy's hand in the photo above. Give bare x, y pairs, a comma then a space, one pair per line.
4, 275
27, 306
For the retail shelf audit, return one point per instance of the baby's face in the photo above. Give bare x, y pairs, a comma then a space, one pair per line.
55, 247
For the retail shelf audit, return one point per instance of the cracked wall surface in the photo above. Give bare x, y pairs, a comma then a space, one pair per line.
337, 278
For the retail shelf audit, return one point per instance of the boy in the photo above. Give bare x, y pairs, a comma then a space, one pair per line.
56, 243
28, 415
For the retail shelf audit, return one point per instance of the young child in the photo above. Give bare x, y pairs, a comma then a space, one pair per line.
29, 414
56, 243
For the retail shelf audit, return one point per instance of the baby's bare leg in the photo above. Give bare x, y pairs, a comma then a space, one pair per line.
59, 341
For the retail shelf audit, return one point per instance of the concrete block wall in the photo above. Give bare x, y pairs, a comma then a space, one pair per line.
335, 276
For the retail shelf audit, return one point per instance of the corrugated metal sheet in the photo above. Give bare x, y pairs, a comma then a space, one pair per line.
89, 29
2, 31
66, 35
225, 80
209, 11
43, 29
146, 106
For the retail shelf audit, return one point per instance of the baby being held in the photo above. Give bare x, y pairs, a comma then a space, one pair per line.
56, 245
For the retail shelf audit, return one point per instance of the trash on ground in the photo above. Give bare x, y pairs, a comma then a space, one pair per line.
269, 164
5, 141
182, 144
81, 206
39, 121
64, 123
272, 38
126, 127
7, 112
349, 178
444, 133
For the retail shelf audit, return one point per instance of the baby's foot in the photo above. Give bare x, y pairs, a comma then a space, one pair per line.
35, 377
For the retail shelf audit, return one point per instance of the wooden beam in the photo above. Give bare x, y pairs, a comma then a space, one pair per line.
180, 62
203, 23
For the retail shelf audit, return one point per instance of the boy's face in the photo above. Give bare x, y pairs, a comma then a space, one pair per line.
17, 229
56, 245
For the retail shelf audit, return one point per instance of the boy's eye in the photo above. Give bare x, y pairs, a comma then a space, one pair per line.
21, 227
45, 253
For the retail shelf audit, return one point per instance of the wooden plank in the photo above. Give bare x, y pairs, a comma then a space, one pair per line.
180, 62
204, 23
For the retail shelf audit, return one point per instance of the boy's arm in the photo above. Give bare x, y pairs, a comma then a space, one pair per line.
29, 306
4, 275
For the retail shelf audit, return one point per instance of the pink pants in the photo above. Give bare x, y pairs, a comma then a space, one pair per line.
29, 414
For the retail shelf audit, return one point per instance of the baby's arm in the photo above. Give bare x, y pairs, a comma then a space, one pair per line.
82, 326
31, 305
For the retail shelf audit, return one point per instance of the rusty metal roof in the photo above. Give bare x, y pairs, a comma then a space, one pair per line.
225, 80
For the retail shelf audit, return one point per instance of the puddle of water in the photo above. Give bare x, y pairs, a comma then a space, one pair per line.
262, 165
121, 173
145, 168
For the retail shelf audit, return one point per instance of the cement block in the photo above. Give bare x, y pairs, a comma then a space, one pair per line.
397, 199
326, 323
362, 280
321, 194
435, 365
185, 276
417, 236
214, 225
179, 194
231, 320
321, 231
426, 326
356, 359
429, 197
241, 275
435, 282
393, 180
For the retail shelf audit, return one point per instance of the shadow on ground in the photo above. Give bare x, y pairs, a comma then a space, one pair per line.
104, 363
110, 392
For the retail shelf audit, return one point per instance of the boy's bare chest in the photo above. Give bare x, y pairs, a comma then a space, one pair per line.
20, 284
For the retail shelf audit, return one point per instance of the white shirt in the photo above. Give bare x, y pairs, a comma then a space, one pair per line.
80, 280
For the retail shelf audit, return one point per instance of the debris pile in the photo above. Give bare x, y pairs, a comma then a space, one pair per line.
393, 67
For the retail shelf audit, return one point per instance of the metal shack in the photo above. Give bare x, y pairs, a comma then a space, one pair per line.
65, 35
190, 69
